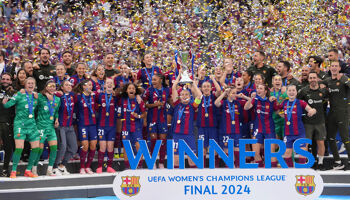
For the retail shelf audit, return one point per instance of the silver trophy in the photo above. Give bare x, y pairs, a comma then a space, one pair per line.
185, 77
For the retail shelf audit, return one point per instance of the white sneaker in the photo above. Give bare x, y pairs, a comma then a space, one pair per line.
57, 172
82, 171
89, 171
35, 170
63, 170
49, 172
342, 148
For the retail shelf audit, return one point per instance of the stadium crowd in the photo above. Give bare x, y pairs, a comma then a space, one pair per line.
90, 74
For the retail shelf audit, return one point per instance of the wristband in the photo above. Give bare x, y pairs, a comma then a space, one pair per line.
197, 101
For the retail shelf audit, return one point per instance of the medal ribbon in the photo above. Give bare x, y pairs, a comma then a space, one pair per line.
129, 106
30, 103
181, 111
108, 101
290, 110
102, 84
51, 105
206, 103
88, 103
149, 76
278, 94
159, 93
232, 110
68, 101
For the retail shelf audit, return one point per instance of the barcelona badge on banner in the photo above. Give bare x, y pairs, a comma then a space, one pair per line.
305, 185
130, 185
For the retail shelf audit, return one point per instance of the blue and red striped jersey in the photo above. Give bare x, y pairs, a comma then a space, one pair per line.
146, 74
98, 86
207, 112
75, 80
107, 109
183, 118
129, 122
231, 124
85, 109
66, 110
121, 80
295, 125
263, 122
155, 114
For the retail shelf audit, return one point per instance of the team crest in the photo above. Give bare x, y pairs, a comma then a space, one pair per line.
320, 94
264, 71
338, 83
130, 185
305, 185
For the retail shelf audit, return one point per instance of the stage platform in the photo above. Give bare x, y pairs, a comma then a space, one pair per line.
84, 186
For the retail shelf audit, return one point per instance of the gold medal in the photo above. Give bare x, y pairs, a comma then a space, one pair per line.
206, 115
233, 122
51, 117
288, 123
107, 113
93, 115
178, 121
30, 116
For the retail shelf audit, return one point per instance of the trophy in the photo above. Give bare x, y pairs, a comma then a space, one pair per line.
185, 77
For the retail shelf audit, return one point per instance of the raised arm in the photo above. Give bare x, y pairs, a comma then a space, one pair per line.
219, 99
217, 86
174, 94
248, 105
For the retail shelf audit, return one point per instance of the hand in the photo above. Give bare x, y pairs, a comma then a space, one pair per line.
241, 95
35, 95
87, 76
311, 112
36, 66
227, 90
289, 76
322, 86
134, 76
66, 76
272, 98
212, 77
56, 123
5, 100
283, 89
22, 91
135, 115
253, 95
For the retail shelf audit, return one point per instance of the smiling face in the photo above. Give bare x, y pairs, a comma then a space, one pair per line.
261, 90
51, 88
257, 58
131, 91
206, 88
44, 55
246, 77
87, 87
292, 91
185, 96
66, 87
80, 69
67, 58
156, 81
258, 79
29, 85
228, 64
148, 60
6, 80
313, 79
100, 72
109, 84
335, 68
22, 75
277, 82
232, 94
60, 70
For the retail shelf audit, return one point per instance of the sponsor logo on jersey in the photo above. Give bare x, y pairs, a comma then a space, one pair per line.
130, 185
305, 185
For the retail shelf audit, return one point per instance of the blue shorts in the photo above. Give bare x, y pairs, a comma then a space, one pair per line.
207, 133
87, 133
132, 136
158, 128
262, 136
290, 139
106, 133
225, 137
246, 127
189, 139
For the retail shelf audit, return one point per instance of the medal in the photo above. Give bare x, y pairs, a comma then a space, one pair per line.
93, 115
288, 123
233, 122
206, 115
30, 102
181, 111
178, 121
30, 116
107, 113
51, 118
290, 111
108, 103
159, 107
206, 105
89, 104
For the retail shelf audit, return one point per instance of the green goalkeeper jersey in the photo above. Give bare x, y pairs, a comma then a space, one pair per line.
47, 111
25, 107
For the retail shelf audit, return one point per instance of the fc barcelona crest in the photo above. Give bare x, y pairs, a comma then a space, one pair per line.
305, 185
130, 185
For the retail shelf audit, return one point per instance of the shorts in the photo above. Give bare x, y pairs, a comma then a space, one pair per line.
158, 128
246, 130
189, 139
30, 134
87, 133
316, 130
262, 136
207, 133
48, 134
290, 139
106, 133
225, 137
132, 136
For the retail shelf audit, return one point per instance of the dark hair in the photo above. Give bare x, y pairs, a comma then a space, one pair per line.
143, 57
162, 78
333, 50
79, 88
266, 87
63, 82
3, 54
261, 75
261, 53
317, 59
109, 53
17, 83
312, 72
125, 88
44, 49
286, 64
23, 63
6, 73
46, 84
76, 67
250, 73
95, 71
66, 52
